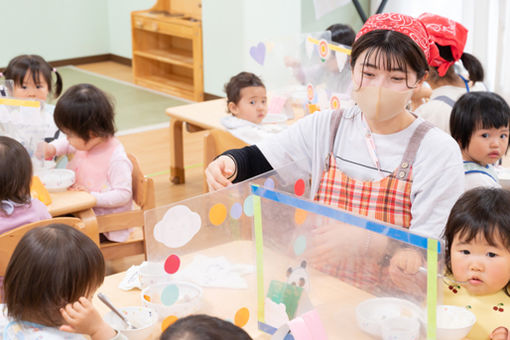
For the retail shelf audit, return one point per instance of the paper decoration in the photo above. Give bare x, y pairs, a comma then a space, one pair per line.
299, 187
177, 227
341, 60
170, 295
323, 50
172, 264
258, 53
217, 214
242, 316
334, 103
309, 92
299, 245
236, 210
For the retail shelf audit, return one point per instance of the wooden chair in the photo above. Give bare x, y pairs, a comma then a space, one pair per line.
144, 197
9, 240
216, 142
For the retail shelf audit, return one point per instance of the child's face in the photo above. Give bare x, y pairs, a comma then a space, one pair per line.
486, 146
30, 90
79, 143
252, 106
485, 267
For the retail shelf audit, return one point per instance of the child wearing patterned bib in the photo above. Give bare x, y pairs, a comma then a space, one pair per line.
477, 240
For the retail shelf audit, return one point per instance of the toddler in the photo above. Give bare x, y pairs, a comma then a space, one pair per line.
203, 327
477, 238
479, 122
49, 283
86, 116
17, 207
32, 78
246, 97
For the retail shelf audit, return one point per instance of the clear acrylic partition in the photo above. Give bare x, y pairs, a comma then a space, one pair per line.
24, 121
307, 70
6, 87
268, 250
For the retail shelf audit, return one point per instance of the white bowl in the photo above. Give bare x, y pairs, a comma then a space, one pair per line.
188, 301
372, 313
151, 273
56, 180
453, 322
143, 318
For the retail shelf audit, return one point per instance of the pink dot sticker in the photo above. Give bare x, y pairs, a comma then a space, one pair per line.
299, 187
172, 264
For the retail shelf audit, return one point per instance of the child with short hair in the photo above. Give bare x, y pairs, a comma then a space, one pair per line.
32, 78
479, 122
246, 97
203, 327
17, 207
50, 280
86, 116
477, 238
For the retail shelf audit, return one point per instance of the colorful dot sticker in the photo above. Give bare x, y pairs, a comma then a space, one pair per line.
217, 214
300, 216
242, 316
236, 210
289, 336
172, 264
147, 297
334, 103
170, 295
299, 187
299, 245
168, 321
269, 184
248, 206
323, 49
309, 92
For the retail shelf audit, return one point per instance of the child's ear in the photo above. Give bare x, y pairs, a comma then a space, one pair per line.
232, 108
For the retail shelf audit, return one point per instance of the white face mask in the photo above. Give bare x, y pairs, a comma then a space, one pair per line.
381, 103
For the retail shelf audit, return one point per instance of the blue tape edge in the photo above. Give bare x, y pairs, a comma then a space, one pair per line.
342, 216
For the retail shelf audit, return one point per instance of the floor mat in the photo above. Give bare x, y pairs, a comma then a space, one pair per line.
136, 108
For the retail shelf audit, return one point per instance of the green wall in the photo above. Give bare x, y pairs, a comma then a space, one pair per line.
344, 15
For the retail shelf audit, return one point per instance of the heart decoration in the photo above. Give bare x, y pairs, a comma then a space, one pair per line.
258, 53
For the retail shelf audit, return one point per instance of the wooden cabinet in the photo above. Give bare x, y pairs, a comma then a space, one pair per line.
167, 48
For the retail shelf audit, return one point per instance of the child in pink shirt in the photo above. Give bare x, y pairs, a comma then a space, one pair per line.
85, 115
17, 207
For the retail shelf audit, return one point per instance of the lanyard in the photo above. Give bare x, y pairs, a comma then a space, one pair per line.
369, 140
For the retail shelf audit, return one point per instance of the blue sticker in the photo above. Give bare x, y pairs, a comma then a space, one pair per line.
299, 245
236, 210
248, 206
170, 295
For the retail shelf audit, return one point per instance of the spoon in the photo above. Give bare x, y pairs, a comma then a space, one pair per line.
109, 304
444, 277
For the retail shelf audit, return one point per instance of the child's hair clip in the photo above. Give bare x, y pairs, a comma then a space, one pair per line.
54, 70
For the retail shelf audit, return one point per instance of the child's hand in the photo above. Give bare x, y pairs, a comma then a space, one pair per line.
500, 333
404, 266
81, 317
45, 150
220, 172
78, 187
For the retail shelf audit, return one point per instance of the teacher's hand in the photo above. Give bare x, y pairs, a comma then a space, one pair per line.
220, 173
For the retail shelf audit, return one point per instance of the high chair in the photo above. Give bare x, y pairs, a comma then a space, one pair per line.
144, 197
216, 142
9, 240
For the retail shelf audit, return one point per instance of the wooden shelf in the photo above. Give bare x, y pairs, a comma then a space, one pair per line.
175, 57
167, 48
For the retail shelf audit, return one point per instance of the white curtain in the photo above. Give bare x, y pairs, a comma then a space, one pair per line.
488, 23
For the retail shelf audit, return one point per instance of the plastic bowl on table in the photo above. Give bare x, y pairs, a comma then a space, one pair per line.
56, 180
187, 299
453, 322
144, 319
372, 313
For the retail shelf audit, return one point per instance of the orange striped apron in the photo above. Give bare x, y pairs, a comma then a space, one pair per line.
387, 200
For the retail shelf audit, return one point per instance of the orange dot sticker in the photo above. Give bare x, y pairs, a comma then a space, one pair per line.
300, 216
334, 103
218, 213
242, 316
299, 187
309, 92
323, 49
168, 321
147, 297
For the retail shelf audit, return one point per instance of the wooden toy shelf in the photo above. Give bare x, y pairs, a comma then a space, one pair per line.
167, 48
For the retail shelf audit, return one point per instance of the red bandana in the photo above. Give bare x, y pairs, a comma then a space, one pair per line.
404, 24
445, 32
